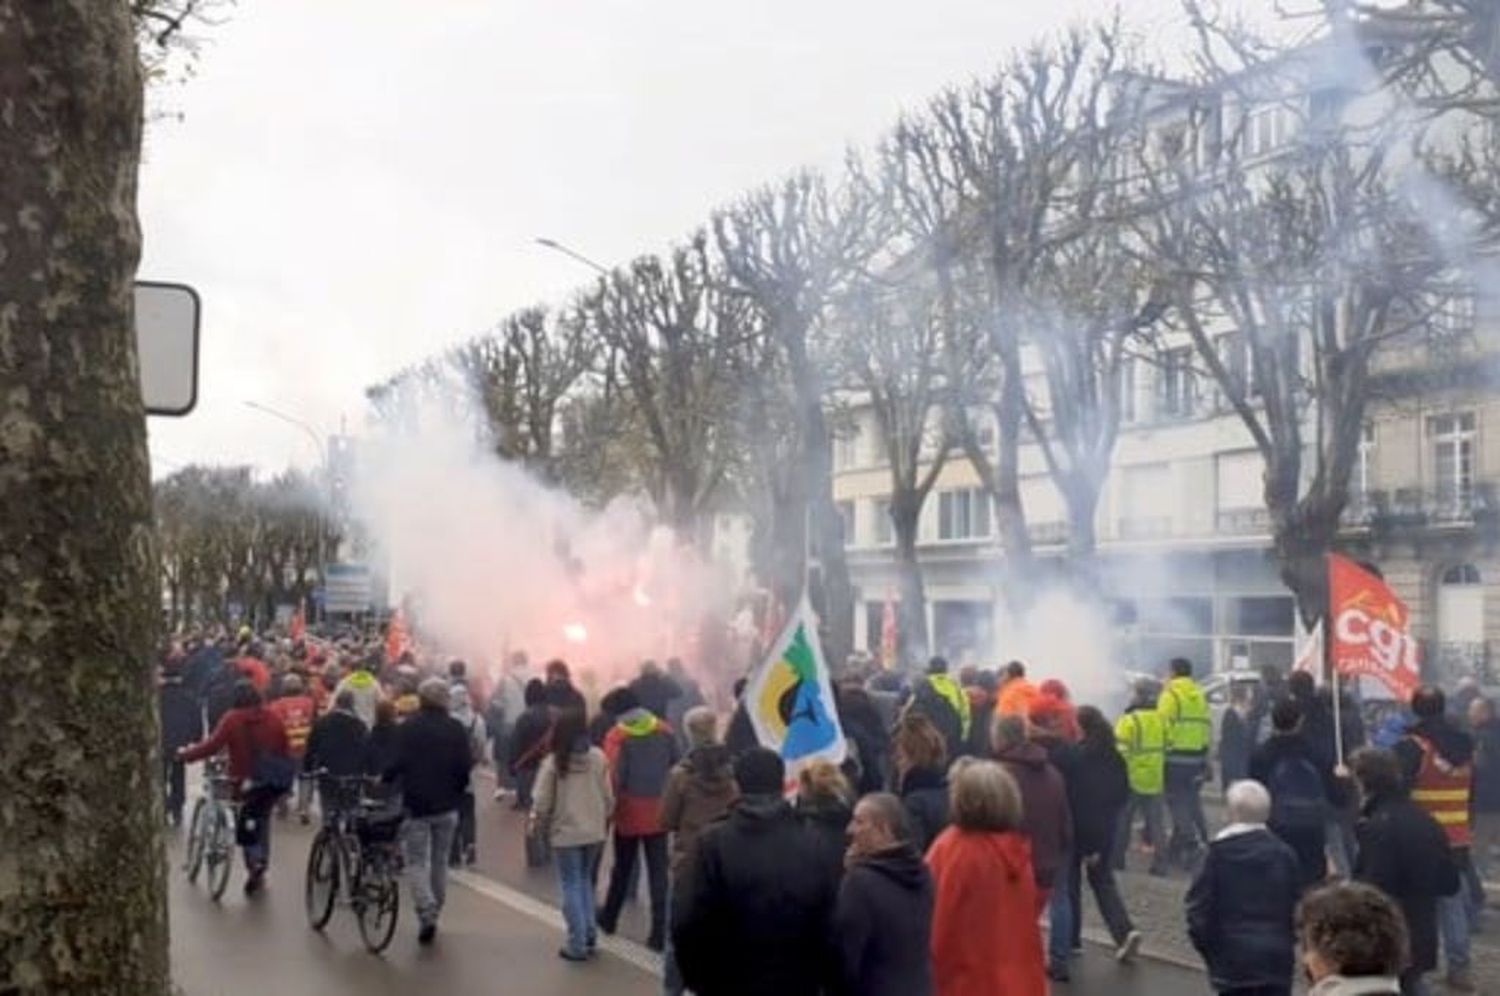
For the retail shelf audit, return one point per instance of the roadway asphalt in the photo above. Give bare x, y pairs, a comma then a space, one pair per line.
500, 932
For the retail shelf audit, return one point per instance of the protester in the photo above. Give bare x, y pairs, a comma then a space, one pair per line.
882, 922
920, 758
432, 763
181, 724
938, 697
260, 768
614, 702
362, 685
573, 802
752, 912
1236, 737
506, 703
885, 689
380, 746
982, 708
336, 747
1141, 739
868, 738
1241, 906
404, 694
1045, 819
561, 692
985, 893
654, 690
1354, 941
1097, 795
1404, 852
1464, 696
1016, 693
1053, 729
700, 791
1299, 795
296, 711
679, 706
1436, 760
1485, 817
642, 751
825, 804
528, 741
1186, 723
464, 849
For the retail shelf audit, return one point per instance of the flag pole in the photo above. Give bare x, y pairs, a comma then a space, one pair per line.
1330, 664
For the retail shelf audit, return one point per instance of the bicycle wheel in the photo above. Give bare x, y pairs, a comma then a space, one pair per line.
380, 905
220, 851
196, 839
322, 884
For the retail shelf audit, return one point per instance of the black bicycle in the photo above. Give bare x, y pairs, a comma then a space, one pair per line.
355, 860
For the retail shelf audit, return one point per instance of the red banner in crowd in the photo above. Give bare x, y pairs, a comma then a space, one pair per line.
298, 628
396, 640
888, 633
1371, 629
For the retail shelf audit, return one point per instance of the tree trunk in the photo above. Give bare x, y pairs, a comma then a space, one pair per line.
1082, 499
913, 639
82, 867
1010, 516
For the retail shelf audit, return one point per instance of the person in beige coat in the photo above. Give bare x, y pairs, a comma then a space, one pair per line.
571, 806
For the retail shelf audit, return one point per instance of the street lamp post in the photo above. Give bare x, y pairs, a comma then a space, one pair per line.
557, 246
327, 491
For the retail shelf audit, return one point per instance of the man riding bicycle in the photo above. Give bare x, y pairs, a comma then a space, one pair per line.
261, 768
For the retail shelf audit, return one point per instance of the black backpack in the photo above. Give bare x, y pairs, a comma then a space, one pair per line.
1298, 799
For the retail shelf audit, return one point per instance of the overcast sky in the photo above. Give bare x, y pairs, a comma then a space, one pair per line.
356, 184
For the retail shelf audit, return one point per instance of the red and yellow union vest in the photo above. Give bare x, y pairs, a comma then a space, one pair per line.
1442, 789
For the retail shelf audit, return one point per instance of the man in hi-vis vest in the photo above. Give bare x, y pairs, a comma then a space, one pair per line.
1184, 714
1141, 739
1437, 761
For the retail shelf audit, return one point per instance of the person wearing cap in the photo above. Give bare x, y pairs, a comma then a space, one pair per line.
431, 762
752, 909
944, 702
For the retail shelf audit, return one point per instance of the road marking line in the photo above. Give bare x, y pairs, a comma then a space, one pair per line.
626, 950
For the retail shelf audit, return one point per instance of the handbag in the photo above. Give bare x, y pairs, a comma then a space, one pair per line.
538, 842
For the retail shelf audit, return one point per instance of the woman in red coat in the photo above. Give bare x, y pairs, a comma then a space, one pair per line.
249, 732
984, 936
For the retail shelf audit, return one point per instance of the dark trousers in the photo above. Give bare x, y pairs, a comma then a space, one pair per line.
174, 774
463, 840
1101, 877
626, 848
1150, 806
1258, 991
1184, 791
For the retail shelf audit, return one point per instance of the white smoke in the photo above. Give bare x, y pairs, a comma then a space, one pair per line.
490, 560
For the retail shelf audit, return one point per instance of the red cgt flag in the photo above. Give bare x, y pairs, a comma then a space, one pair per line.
888, 633
396, 640
1371, 629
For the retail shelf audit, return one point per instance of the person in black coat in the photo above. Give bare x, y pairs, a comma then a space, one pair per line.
940, 699
1403, 852
1097, 793
654, 690
1236, 738
1300, 790
751, 912
181, 724
528, 741
338, 745
920, 779
863, 727
882, 921
825, 806
1241, 906
561, 693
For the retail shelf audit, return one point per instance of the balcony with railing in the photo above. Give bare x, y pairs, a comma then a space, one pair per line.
1243, 521
1048, 533
1409, 509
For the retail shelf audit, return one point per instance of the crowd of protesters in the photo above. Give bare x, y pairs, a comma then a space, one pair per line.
969, 803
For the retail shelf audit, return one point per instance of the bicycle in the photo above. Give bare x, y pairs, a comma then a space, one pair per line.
210, 837
355, 861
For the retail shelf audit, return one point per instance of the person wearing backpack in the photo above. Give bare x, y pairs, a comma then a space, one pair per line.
1286, 766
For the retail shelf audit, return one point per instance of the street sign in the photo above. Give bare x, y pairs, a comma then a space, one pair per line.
166, 336
348, 589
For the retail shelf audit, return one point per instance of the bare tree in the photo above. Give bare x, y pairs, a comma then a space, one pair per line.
680, 342
1013, 147
791, 249
82, 909
1294, 268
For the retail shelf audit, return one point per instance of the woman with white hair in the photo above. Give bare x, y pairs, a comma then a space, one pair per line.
1242, 905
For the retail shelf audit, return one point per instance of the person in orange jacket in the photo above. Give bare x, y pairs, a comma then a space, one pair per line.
297, 710
1016, 693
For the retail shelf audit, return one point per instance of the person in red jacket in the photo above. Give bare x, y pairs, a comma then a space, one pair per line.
985, 903
255, 739
297, 710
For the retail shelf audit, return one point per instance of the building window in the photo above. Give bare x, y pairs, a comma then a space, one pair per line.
1364, 463
1462, 574
1129, 410
1452, 441
1178, 386
885, 530
963, 514
846, 449
846, 520
1267, 129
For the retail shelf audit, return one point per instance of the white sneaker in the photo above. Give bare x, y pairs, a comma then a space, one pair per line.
1128, 947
